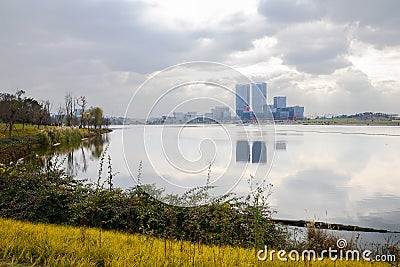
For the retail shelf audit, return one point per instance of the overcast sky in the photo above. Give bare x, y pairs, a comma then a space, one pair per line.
332, 56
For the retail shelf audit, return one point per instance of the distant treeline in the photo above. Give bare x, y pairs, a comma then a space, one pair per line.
364, 116
17, 108
14, 108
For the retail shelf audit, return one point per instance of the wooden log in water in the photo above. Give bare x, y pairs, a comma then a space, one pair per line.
329, 226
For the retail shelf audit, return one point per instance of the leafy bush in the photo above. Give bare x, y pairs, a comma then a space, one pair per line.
49, 195
14, 148
29, 193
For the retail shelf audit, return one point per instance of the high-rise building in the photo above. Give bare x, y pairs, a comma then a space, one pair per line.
258, 97
242, 98
279, 101
297, 112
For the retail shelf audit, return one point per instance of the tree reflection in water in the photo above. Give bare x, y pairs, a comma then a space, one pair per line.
74, 158
90, 150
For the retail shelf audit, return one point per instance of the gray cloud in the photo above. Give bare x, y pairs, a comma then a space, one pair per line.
314, 47
355, 81
321, 50
53, 33
90, 46
368, 12
346, 91
382, 16
288, 11
358, 87
105, 49
377, 20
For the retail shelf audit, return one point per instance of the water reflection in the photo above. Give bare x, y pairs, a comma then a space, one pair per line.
280, 145
257, 154
90, 150
95, 146
242, 151
75, 158
339, 178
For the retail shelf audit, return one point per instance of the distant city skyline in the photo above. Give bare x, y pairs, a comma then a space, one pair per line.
250, 106
259, 109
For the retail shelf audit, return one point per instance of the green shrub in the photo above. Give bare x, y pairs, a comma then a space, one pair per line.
14, 148
49, 195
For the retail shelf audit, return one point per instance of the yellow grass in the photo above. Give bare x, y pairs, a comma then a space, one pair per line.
32, 130
50, 245
18, 131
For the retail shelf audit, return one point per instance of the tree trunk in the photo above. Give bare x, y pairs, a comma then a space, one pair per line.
10, 129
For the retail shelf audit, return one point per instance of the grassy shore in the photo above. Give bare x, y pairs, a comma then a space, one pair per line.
27, 139
50, 245
28, 130
20, 130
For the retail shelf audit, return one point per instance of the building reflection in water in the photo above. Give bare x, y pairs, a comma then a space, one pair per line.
257, 154
242, 151
280, 145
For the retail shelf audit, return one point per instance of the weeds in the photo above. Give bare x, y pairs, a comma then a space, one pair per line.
60, 135
49, 245
49, 195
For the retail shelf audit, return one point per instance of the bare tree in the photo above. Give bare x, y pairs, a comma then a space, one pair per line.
69, 108
82, 102
60, 115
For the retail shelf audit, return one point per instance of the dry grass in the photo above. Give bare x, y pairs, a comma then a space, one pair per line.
18, 131
49, 245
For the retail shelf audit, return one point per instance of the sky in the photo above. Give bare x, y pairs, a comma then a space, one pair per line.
332, 56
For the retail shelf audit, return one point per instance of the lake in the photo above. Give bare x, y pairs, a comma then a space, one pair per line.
338, 174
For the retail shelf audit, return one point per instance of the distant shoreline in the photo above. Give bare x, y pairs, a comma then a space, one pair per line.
329, 123
302, 122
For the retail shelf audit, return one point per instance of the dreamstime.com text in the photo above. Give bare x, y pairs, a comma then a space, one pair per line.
332, 254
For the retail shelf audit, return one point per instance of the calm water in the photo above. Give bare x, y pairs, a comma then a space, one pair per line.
339, 174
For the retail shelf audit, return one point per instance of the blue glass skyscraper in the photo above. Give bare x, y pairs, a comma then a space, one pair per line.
259, 98
242, 98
